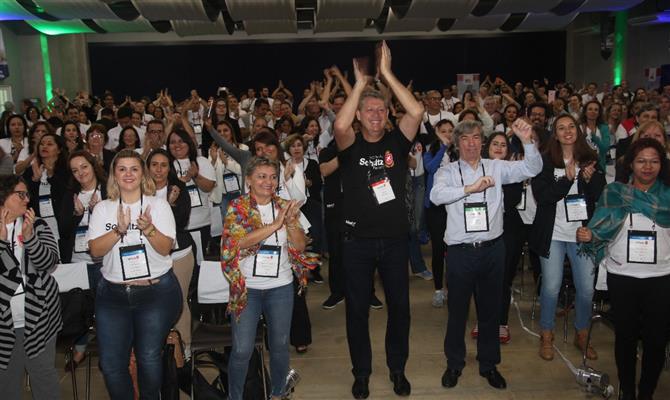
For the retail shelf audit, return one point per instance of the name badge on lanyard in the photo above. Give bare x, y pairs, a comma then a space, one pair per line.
641, 246
380, 184
475, 215
230, 183
268, 257
80, 239
194, 194
46, 206
134, 260
575, 208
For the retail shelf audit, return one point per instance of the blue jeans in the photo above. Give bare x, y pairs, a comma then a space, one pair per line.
552, 277
416, 261
276, 305
138, 318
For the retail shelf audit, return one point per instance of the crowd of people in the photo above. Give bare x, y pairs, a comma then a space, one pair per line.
361, 175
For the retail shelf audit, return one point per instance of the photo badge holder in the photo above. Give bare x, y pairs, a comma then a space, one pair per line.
134, 259
380, 185
268, 257
575, 208
641, 246
46, 206
81, 232
475, 215
194, 194
230, 183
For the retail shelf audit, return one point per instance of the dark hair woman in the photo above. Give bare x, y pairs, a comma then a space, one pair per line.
629, 235
596, 130
566, 192
29, 294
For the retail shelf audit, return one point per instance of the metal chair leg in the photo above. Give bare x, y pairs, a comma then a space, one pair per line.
88, 375
262, 357
73, 372
565, 312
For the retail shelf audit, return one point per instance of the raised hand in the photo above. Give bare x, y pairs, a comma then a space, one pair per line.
523, 130
193, 170
28, 221
289, 169
144, 220
78, 206
480, 185
384, 59
122, 219
359, 73
173, 194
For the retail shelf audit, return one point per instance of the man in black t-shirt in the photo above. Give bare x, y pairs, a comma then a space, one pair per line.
374, 169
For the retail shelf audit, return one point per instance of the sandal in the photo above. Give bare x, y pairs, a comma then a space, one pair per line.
301, 349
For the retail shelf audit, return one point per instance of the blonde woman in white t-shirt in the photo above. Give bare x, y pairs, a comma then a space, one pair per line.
138, 299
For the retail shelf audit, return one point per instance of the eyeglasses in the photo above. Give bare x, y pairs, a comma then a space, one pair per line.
23, 195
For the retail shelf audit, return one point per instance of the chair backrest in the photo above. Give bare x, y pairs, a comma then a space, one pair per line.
212, 285
70, 276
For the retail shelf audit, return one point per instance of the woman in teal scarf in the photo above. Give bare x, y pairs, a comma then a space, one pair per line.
630, 234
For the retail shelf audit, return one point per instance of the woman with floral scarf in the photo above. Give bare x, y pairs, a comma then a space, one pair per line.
263, 244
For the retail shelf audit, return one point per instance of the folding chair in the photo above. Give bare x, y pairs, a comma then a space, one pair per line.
69, 277
213, 288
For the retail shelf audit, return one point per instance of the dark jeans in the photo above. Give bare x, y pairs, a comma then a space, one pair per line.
334, 237
640, 308
436, 219
137, 318
471, 270
360, 256
514, 237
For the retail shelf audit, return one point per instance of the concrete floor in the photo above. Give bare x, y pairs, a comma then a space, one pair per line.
325, 368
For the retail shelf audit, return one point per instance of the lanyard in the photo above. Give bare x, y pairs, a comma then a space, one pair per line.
461, 174
630, 218
88, 208
141, 202
272, 205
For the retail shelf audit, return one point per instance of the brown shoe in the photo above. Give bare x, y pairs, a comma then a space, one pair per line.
547, 345
580, 342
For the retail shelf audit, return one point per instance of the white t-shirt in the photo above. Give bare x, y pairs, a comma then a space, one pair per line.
563, 230
200, 215
616, 258
104, 220
434, 119
18, 301
113, 137
85, 198
7, 146
285, 276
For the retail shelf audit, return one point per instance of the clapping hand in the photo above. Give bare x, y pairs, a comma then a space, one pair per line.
480, 185
78, 206
173, 195
588, 171
144, 220
28, 221
122, 219
570, 170
384, 60
4, 215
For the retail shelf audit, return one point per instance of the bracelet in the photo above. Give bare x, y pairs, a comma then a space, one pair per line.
118, 232
152, 231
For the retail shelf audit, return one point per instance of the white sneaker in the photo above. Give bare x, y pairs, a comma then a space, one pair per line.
439, 299
425, 274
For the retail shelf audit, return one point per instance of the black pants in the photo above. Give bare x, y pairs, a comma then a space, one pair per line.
436, 220
471, 270
360, 256
514, 235
334, 237
641, 309
301, 327
312, 211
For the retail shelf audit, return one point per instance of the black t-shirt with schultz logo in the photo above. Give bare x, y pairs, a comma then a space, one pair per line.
362, 215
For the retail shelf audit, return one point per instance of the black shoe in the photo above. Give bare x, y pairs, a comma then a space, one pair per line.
401, 385
331, 302
450, 378
360, 388
316, 277
375, 303
626, 395
494, 378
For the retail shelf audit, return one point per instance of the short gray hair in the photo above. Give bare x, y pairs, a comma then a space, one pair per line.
256, 162
371, 93
466, 127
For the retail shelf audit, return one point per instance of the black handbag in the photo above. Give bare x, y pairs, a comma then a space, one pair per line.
203, 390
170, 386
77, 312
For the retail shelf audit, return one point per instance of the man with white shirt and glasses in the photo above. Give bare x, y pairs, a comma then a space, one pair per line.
471, 189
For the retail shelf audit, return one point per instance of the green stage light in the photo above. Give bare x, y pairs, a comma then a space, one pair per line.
620, 34
44, 45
